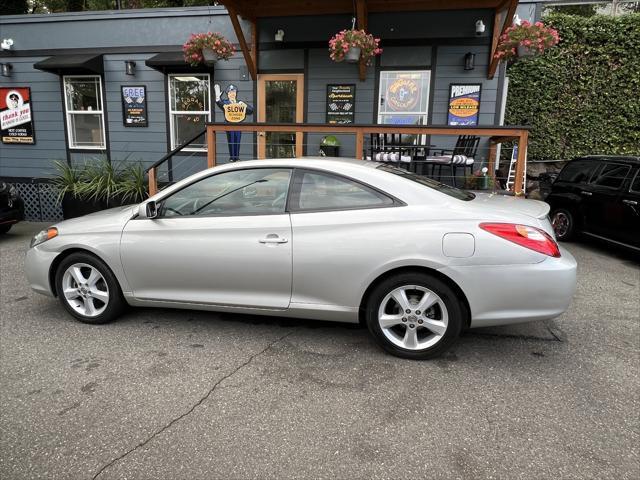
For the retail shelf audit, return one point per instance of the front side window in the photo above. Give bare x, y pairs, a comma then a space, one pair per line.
259, 191
85, 114
320, 191
612, 175
578, 171
189, 109
635, 186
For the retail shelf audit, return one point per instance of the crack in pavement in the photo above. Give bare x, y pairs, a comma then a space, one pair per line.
198, 403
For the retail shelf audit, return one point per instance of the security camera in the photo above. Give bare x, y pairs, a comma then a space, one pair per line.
6, 44
480, 28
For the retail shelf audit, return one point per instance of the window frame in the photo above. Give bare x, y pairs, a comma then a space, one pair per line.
635, 177
68, 113
295, 187
424, 115
597, 171
160, 203
171, 112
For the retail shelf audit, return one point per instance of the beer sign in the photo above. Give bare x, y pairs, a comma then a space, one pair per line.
464, 104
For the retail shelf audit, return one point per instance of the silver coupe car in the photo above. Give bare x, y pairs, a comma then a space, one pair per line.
351, 241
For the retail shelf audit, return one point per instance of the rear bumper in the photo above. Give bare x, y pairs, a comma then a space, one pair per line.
504, 294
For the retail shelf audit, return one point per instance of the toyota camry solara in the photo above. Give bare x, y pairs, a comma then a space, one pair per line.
352, 241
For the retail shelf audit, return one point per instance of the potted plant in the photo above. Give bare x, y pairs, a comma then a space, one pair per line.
98, 185
526, 40
353, 45
207, 48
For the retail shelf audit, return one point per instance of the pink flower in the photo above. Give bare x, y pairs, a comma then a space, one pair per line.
527, 43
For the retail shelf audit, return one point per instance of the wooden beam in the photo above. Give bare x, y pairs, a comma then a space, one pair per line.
498, 31
519, 181
362, 19
254, 43
211, 147
233, 15
153, 182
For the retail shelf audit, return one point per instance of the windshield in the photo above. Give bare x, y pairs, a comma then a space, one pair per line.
429, 182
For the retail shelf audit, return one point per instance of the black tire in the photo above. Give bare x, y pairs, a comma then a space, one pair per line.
115, 304
5, 228
448, 297
564, 224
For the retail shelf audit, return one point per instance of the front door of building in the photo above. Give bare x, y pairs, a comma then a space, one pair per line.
280, 100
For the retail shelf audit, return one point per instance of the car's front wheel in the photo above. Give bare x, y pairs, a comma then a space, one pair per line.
88, 289
564, 224
414, 315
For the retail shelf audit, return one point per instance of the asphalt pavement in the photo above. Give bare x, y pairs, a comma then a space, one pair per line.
168, 394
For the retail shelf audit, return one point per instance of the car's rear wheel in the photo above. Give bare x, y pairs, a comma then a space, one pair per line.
564, 224
88, 289
414, 315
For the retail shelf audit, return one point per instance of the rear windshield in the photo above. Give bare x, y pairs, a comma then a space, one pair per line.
428, 182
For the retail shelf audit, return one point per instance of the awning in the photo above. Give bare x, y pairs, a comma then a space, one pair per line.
173, 62
72, 64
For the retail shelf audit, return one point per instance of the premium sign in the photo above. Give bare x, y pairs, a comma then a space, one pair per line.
134, 106
341, 103
16, 121
464, 105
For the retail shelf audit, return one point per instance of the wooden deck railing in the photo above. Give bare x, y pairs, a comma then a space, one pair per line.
495, 135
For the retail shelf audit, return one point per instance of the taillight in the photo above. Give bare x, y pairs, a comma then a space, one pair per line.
524, 235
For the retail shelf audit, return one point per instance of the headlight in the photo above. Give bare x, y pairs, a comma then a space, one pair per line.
43, 236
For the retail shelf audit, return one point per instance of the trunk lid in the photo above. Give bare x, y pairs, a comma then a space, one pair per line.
510, 204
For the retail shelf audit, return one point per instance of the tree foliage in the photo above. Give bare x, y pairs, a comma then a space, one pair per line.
583, 96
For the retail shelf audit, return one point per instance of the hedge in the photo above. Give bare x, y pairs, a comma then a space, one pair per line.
582, 96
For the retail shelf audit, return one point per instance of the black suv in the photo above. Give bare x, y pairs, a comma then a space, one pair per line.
599, 196
11, 207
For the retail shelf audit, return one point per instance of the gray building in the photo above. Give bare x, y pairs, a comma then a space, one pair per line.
77, 64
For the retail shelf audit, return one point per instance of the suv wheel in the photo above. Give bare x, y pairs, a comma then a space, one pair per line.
564, 224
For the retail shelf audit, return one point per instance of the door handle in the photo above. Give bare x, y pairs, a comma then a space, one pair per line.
588, 194
630, 202
273, 238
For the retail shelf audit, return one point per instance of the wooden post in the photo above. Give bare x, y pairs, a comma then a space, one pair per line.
153, 182
491, 164
518, 186
211, 147
359, 144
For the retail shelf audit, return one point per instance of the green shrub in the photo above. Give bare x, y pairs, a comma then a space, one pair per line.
583, 96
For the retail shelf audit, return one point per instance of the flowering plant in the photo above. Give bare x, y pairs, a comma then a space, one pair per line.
193, 47
535, 38
342, 41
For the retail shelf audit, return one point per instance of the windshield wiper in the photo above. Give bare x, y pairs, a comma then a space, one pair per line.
225, 194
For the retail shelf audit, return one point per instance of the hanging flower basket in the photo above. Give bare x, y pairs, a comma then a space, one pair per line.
526, 40
207, 48
353, 45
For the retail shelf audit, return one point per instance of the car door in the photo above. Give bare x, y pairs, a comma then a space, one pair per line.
335, 221
225, 240
603, 210
630, 200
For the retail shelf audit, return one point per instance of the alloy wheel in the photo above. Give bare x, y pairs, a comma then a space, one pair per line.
413, 317
561, 224
85, 289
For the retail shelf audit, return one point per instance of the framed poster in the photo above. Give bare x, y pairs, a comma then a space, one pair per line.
134, 105
341, 103
16, 118
464, 104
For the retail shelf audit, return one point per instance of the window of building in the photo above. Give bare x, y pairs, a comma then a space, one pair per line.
320, 191
189, 109
404, 97
85, 114
258, 191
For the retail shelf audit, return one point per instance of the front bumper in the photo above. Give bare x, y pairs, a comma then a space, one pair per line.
505, 294
37, 267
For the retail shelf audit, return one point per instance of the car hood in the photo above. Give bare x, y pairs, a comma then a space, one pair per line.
105, 220
510, 205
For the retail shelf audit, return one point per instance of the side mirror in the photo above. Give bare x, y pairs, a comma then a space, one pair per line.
148, 210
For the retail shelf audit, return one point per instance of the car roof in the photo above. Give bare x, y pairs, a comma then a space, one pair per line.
635, 160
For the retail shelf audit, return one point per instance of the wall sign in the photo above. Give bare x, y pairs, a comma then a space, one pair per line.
134, 105
341, 103
15, 115
464, 104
